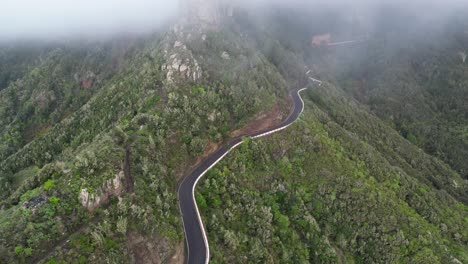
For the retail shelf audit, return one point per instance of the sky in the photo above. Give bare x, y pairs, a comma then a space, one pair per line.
43, 18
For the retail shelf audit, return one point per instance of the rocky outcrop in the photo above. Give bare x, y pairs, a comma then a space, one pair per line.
225, 56
112, 187
180, 63
197, 18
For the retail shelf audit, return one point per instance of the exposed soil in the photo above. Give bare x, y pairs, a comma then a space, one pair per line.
179, 255
210, 148
87, 84
263, 121
152, 251
138, 246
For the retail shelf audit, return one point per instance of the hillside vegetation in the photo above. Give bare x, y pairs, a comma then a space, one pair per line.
338, 186
96, 139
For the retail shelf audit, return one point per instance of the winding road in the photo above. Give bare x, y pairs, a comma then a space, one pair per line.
198, 250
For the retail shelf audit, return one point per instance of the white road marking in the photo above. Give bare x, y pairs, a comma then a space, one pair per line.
205, 238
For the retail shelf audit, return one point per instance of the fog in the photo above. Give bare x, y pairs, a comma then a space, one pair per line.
62, 18
419, 9
45, 19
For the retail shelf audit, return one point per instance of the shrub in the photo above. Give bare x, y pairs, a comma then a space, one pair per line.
54, 200
19, 250
49, 184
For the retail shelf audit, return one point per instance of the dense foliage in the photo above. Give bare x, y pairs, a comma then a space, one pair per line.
338, 186
85, 115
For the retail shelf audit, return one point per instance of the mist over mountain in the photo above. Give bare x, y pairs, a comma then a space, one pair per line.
108, 106
52, 19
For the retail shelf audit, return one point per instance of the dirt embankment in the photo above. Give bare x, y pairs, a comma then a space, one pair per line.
209, 149
263, 121
153, 250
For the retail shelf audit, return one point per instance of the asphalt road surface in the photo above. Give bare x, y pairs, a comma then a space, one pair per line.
198, 250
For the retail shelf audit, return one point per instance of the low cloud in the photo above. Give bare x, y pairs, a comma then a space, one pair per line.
64, 18
57, 18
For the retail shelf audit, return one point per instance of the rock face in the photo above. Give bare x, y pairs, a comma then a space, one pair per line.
197, 17
180, 63
112, 187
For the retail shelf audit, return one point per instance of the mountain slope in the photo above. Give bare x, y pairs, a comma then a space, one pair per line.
133, 137
338, 186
